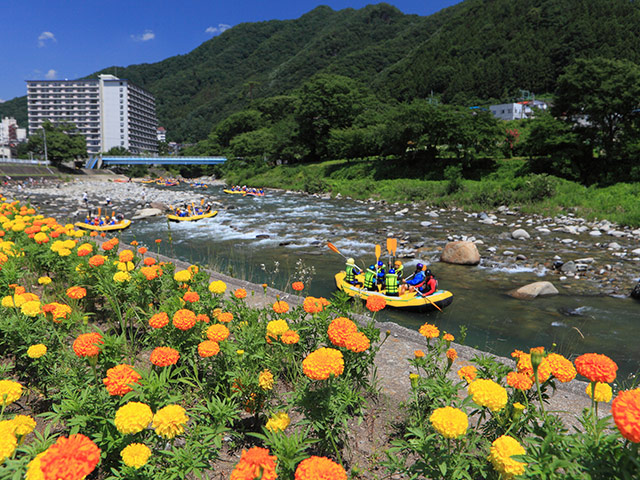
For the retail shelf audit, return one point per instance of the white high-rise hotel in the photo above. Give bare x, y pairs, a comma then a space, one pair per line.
109, 112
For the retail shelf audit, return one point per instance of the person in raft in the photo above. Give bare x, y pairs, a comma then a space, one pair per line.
391, 283
370, 278
352, 270
415, 281
430, 284
399, 268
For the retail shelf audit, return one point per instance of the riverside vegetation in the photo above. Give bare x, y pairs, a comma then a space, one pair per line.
115, 365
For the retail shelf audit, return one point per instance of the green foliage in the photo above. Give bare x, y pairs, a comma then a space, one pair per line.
63, 143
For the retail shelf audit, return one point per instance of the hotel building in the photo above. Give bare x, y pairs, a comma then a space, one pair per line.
108, 111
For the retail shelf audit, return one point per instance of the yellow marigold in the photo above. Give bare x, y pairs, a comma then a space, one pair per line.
596, 367
8, 302
240, 293
120, 378
340, 329
603, 392
502, 449
322, 363
70, 458
133, 417
375, 303
125, 266
217, 287
357, 342
225, 317
44, 280
290, 337
276, 328
520, 381
164, 356
34, 468
429, 331
280, 307
182, 276
449, 422
319, 468
217, 332
255, 463
76, 292
135, 455
561, 368
208, 348
626, 413
170, 421
8, 440
88, 344
125, 256
23, 424
65, 252
31, 309
184, 319
37, 351
487, 393
41, 238
121, 277
452, 355
278, 422
468, 373
159, 320
525, 366
265, 380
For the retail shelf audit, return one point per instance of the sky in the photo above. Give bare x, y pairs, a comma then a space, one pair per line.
68, 39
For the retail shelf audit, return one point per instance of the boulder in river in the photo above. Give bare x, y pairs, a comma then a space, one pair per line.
146, 213
460, 253
160, 206
534, 290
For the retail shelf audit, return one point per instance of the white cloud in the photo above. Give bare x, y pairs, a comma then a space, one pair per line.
217, 30
144, 37
51, 74
44, 36
2, 100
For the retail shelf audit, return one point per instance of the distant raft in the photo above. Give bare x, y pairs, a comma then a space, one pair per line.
121, 225
234, 192
192, 218
410, 301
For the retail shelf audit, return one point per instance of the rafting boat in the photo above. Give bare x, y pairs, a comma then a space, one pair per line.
234, 192
192, 218
410, 301
252, 194
121, 225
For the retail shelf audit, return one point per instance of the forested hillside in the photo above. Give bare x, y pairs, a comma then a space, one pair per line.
477, 51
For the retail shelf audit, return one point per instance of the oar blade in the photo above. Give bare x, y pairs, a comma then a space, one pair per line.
333, 248
378, 252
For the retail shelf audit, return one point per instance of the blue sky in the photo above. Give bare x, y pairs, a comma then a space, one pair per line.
60, 39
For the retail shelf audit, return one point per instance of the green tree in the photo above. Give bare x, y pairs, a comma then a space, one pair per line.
241, 122
64, 143
117, 151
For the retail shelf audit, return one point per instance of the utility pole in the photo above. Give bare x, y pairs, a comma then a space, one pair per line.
44, 136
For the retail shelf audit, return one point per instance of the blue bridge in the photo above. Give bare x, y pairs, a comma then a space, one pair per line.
98, 161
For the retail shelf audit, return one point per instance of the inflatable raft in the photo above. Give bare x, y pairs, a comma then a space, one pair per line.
410, 301
104, 228
193, 218
234, 192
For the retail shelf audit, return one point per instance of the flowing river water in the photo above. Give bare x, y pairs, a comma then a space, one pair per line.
268, 239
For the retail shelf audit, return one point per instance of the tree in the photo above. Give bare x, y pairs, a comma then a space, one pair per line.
117, 151
64, 143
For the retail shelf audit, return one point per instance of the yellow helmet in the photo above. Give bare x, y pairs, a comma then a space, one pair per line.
351, 261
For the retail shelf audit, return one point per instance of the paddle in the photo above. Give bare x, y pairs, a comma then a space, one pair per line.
428, 299
334, 248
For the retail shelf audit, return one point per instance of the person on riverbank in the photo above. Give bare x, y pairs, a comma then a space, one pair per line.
370, 278
415, 281
352, 270
391, 283
430, 284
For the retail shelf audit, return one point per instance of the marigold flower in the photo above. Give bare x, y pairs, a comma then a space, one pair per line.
280, 307
41, 238
290, 337
184, 319
319, 468
226, 317
44, 280
121, 277
276, 328
31, 308
217, 332
106, 246
502, 449
603, 392
429, 331
375, 303
182, 276
23, 424
37, 351
519, 381
297, 286
265, 380
143, 250
626, 413
134, 243
70, 458
170, 421
133, 417
340, 329
201, 317
159, 320
517, 354
164, 356
120, 378
447, 337
126, 256
561, 368
135, 455
278, 422
150, 273
449, 422
76, 293
8, 440
357, 342
208, 348
88, 344
240, 293
452, 355
418, 354
525, 366
217, 287
312, 305
149, 261
58, 311
487, 393
158, 240
191, 297
255, 463
10, 391
126, 266
596, 367
97, 260
322, 363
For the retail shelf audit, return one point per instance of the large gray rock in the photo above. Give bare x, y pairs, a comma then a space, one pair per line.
569, 267
146, 213
159, 206
520, 234
460, 253
534, 290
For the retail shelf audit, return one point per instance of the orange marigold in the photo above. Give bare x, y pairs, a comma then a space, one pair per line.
468, 373
76, 292
322, 363
70, 458
96, 260
340, 329
519, 381
87, 344
164, 356
626, 413
597, 367
319, 468
255, 463
357, 342
375, 303
517, 354
217, 332
297, 286
191, 297
120, 378
143, 250
429, 331
280, 307
149, 261
159, 320
58, 311
525, 366
290, 337
561, 368
184, 319
126, 256
312, 305
447, 337
452, 355
240, 293
418, 353
225, 317
208, 348
201, 317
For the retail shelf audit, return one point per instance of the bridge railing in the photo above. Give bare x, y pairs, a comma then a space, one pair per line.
112, 160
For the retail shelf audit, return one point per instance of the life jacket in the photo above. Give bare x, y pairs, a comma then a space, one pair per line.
391, 283
350, 277
369, 278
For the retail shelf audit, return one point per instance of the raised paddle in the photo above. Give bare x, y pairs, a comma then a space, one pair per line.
334, 248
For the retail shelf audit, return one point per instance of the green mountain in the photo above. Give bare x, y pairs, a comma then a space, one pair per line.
475, 51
